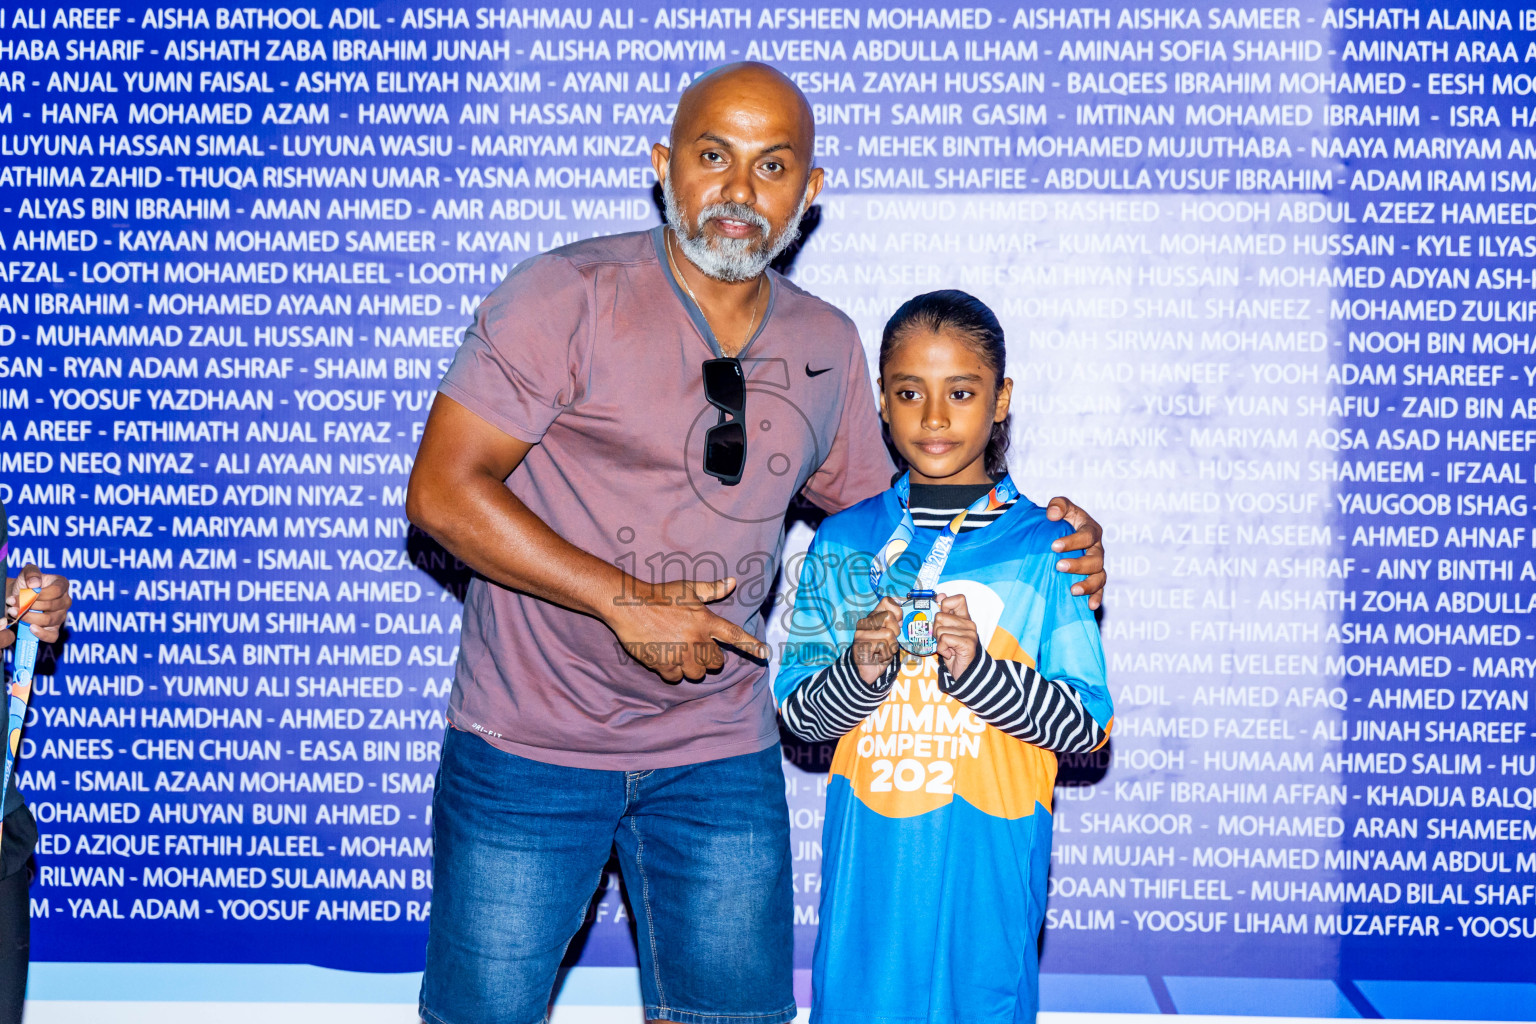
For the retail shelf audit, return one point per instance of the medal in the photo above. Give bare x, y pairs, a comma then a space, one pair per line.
917, 614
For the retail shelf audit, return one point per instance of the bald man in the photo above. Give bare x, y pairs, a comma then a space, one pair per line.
613, 451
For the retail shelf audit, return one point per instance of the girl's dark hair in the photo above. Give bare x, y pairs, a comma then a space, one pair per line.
964, 316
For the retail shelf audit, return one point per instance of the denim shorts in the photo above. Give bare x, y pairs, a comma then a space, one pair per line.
520, 848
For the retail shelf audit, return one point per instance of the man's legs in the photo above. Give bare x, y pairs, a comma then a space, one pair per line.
15, 932
705, 854
519, 847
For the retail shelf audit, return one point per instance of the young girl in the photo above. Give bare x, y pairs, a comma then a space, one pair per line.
948, 708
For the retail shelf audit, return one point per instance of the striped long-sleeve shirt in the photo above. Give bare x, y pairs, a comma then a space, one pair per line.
1006, 694
1009, 695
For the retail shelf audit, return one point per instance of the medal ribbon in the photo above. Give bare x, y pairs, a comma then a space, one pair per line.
933, 566
20, 689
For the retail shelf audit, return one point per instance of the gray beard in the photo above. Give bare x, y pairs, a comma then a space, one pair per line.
729, 259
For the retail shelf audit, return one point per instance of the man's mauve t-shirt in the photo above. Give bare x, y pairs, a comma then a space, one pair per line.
595, 353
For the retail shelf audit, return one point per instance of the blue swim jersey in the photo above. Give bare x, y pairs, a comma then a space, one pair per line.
938, 826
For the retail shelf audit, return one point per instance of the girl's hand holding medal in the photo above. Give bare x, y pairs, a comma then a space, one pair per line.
42, 598
956, 634
874, 639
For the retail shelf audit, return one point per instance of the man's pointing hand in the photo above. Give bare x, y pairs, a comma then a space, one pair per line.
667, 628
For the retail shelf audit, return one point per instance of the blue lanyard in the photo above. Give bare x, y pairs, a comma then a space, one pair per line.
933, 566
18, 693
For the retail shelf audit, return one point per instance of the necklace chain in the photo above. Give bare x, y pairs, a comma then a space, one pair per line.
756, 297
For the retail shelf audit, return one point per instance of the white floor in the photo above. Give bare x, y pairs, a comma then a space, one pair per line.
97, 1012
93, 1012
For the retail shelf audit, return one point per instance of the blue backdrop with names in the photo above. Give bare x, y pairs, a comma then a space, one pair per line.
1266, 273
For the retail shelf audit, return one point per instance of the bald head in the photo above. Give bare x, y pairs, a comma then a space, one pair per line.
740, 169
747, 86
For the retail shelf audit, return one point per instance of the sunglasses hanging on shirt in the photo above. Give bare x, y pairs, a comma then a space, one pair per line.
725, 443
